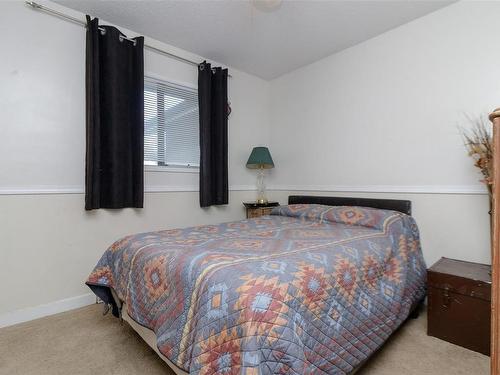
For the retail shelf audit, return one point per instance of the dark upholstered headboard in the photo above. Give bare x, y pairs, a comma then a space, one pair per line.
385, 204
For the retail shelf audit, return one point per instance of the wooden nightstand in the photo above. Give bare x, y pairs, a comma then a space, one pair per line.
256, 209
459, 303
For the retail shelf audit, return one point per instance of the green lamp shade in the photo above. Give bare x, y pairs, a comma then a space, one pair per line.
260, 158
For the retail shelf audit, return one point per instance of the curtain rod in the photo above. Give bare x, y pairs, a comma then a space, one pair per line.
56, 13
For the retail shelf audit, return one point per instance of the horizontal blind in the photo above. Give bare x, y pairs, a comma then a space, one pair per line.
171, 124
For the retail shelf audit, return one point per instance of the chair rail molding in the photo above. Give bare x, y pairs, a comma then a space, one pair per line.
61, 190
402, 189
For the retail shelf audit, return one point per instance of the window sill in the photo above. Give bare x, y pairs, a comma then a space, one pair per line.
157, 168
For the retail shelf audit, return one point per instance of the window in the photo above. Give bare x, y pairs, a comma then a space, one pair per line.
171, 128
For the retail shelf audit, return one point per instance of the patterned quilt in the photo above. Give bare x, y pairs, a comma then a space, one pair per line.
309, 289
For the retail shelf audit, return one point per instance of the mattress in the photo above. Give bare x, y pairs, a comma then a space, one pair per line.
310, 289
149, 338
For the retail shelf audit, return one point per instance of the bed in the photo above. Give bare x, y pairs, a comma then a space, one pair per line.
314, 288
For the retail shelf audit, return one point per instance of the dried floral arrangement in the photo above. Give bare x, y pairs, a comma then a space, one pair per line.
479, 146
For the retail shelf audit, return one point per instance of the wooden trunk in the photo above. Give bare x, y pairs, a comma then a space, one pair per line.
459, 303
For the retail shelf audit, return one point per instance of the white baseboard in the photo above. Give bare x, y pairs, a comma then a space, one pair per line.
31, 313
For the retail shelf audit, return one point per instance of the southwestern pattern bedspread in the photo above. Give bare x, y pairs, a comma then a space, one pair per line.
310, 289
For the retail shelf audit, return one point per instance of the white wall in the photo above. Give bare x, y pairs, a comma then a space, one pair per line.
42, 96
48, 243
382, 116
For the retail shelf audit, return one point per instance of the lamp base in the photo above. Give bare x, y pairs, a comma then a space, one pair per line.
262, 201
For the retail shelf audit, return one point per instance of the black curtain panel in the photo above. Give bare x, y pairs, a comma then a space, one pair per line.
114, 176
213, 108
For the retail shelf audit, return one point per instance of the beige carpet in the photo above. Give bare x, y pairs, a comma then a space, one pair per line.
85, 342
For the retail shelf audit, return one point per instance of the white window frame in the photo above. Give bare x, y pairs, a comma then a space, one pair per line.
170, 168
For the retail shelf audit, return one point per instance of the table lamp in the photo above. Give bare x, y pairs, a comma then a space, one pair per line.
260, 159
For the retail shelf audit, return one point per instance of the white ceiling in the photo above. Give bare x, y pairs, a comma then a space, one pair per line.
267, 44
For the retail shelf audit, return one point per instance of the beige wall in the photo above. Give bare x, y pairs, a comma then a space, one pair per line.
49, 244
451, 225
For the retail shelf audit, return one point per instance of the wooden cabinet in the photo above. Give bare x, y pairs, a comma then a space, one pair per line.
459, 303
257, 210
